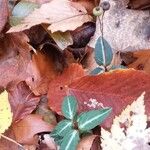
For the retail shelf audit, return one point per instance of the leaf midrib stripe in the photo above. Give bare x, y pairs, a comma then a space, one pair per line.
64, 127
87, 122
72, 137
70, 113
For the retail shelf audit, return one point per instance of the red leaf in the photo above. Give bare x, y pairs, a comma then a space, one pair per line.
3, 13
115, 89
57, 88
22, 101
14, 57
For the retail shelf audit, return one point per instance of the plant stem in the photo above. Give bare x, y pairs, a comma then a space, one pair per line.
11, 140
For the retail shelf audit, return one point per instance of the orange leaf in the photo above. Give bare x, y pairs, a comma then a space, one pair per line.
57, 88
25, 129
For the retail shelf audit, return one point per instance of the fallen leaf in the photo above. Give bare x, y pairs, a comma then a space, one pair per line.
115, 89
129, 128
45, 112
86, 142
62, 15
5, 113
5, 144
45, 65
3, 13
22, 101
139, 4
57, 88
27, 128
139, 60
14, 58
131, 33
63, 39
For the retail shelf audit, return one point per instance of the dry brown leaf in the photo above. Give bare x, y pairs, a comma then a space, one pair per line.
139, 4
14, 58
44, 67
5, 144
22, 101
27, 128
62, 15
142, 61
3, 13
86, 142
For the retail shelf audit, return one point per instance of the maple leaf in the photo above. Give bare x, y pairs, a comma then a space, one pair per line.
5, 112
128, 131
62, 15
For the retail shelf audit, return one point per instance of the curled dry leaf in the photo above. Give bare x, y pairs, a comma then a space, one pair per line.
115, 89
62, 15
139, 60
22, 101
3, 13
139, 4
44, 67
86, 142
14, 58
57, 88
27, 128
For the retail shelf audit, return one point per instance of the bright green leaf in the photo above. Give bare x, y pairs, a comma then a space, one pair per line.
103, 52
63, 128
69, 107
91, 119
22, 10
96, 71
70, 141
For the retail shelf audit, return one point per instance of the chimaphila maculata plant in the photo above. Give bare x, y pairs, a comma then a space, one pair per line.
103, 51
69, 131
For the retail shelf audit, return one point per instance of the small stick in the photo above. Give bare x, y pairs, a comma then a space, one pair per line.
11, 140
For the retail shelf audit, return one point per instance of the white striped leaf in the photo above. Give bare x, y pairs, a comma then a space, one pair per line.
62, 128
96, 71
70, 141
69, 107
103, 52
89, 120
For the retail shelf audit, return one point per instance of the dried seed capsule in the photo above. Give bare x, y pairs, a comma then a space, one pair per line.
97, 11
105, 5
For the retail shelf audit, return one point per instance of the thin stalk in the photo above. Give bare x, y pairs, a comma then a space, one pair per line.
11, 140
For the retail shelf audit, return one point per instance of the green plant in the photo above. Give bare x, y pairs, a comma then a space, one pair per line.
68, 132
104, 54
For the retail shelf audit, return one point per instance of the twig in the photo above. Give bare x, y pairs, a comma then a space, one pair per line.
11, 140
